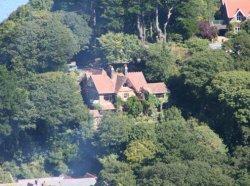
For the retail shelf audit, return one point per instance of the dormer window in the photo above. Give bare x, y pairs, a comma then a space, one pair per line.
89, 84
239, 16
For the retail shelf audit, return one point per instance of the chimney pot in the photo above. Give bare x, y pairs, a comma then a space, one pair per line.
125, 69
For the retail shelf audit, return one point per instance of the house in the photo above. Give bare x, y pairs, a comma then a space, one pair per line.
101, 88
63, 180
232, 13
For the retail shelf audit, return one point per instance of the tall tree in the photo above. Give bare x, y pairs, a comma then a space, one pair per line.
42, 44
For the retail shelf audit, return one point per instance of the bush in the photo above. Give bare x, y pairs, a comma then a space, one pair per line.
133, 106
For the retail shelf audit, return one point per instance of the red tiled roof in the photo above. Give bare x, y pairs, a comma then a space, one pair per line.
103, 84
107, 105
106, 85
233, 6
158, 88
138, 81
120, 80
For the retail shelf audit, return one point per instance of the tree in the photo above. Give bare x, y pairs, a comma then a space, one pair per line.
203, 66
179, 173
140, 150
143, 130
119, 48
115, 172
183, 141
206, 30
12, 99
232, 90
42, 44
5, 177
239, 45
51, 121
246, 26
196, 44
112, 16
41, 4
160, 62
133, 106
114, 132
78, 25
189, 13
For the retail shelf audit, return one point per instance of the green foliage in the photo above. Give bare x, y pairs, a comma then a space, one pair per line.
33, 169
143, 130
140, 150
232, 89
112, 15
115, 172
189, 151
196, 44
78, 25
133, 106
160, 62
42, 44
12, 100
114, 131
151, 105
246, 26
189, 13
58, 101
41, 4
202, 67
44, 125
187, 142
190, 173
5, 177
239, 44
119, 47
241, 157
48, 118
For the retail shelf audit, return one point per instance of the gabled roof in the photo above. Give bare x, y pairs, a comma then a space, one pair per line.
158, 88
234, 6
107, 105
138, 81
120, 80
106, 85
103, 84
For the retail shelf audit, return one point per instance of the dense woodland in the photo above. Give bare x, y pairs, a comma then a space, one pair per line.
201, 137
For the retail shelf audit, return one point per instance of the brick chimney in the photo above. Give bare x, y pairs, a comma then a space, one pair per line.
125, 69
111, 71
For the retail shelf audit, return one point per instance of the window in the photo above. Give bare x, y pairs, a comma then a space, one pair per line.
239, 17
159, 95
89, 83
126, 95
236, 29
107, 97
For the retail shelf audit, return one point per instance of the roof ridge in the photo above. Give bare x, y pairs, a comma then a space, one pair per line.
134, 72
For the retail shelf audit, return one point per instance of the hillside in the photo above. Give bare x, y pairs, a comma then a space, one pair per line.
184, 118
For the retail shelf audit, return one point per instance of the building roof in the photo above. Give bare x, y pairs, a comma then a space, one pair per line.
138, 81
110, 85
103, 84
56, 181
158, 88
120, 80
233, 6
107, 105
95, 113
